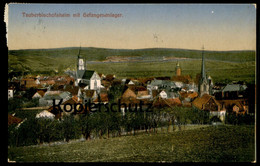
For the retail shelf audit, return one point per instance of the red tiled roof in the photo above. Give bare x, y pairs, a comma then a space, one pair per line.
188, 94
231, 103
182, 78
201, 101
103, 98
167, 102
193, 95
13, 120
41, 92
133, 101
72, 89
88, 92
129, 93
137, 88
70, 101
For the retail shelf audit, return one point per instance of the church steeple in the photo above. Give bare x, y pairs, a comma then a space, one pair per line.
80, 62
204, 83
178, 69
78, 58
203, 73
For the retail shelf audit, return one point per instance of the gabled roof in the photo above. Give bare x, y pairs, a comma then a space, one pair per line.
88, 93
199, 102
182, 78
231, 103
72, 89
71, 101
231, 88
129, 93
188, 94
88, 74
160, 102
57, 95
103, 98
162, 82
137, 88
52, 96
41, 93
13, 120
145, 80
156, 82
65, 94
80, 73
101, 75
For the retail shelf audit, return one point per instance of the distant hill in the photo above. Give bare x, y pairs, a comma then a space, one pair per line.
63, 58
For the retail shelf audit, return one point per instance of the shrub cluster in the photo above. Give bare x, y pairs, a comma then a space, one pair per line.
100, 125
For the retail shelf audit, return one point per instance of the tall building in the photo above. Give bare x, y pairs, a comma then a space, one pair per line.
178, 69
89, 78
205, 83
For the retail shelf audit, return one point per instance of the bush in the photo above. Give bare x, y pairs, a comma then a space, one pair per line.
239, 119
23, 135
14, 104
70, 128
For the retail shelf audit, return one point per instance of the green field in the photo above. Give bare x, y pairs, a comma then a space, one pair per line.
224, 143
218, 71
220, 65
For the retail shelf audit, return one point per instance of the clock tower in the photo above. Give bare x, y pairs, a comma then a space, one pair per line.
80, 62
89, 79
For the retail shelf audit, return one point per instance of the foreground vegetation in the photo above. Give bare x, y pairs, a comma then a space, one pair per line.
224, 143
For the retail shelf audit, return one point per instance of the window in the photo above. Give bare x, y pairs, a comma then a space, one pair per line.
205, 87
95, 84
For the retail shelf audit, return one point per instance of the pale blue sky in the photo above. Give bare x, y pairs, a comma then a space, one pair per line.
218, 27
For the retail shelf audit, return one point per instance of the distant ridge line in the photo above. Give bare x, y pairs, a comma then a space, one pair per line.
182, 49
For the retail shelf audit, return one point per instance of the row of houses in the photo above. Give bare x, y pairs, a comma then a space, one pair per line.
88, 85
136, 89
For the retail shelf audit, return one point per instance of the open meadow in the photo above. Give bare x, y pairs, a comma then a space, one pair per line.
223, 143
220, 65
219, 71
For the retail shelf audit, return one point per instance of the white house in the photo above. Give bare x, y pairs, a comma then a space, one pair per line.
89, 78
45, 114
131, 83
163, 94
38, 94
179, 84
10, 93
49, 96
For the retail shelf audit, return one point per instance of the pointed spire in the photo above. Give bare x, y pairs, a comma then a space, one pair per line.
79, 51
203, 73
178, 69
178, 65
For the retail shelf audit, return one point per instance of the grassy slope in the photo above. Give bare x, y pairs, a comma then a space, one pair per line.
218, 71
53, 59
209, 144
102, 53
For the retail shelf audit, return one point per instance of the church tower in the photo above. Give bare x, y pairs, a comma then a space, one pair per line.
81, 68
80, 62
204, 82
178, 69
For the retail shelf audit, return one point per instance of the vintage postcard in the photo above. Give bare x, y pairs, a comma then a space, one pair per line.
131, 82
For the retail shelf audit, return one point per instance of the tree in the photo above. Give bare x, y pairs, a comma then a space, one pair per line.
69, 127
14, 104
29, 93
